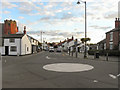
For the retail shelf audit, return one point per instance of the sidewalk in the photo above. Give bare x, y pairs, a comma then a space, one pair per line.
101, 58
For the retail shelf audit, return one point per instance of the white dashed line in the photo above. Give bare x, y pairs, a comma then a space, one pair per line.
118, 75
47, 57
113, 76
95, 81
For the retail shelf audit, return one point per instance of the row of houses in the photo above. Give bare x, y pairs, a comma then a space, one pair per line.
13, 42
112, 40
72, 45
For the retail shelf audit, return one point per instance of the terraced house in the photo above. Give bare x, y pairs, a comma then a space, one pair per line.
113, 37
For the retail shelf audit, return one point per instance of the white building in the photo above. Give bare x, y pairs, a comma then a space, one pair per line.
34, 44
16, 44
44, 46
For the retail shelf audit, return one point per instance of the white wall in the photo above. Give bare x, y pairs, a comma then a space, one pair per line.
65, 45
71, 43
2, 50
16, 43
25, 42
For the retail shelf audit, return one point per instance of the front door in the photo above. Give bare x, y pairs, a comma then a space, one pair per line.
6, 50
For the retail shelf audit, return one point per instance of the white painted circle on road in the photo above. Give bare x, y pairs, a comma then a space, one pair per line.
68, 67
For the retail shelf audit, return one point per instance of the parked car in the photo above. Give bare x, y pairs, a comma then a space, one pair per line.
58, 50
51, 49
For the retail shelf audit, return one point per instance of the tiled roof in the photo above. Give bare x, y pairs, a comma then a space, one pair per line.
13, 36
102, 41
32, 38
113, 30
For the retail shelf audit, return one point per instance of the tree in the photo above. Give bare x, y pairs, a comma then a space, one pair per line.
85, 39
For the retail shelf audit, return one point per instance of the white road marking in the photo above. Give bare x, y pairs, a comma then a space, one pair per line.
47, 57
95, 81
113, 76
118, 75
5, 61
68, 67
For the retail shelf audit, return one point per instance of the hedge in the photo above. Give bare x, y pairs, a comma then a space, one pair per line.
104, 52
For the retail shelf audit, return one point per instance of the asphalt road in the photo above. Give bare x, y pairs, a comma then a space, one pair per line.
27, 72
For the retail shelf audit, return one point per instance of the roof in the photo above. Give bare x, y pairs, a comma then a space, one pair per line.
102, 41
32, 37
69, 40
113, 30
13, 36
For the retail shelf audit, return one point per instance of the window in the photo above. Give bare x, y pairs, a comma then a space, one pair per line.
9, 24
104, 46
12, 40
111, 36
13, 48
111, 45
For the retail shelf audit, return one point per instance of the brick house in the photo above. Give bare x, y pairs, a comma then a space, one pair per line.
102, 45
113, 37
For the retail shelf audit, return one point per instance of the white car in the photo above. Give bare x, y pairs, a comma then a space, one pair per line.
51, 49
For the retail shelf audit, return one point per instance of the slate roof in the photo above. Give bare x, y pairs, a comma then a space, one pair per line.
113, 30
102, 41
13, 36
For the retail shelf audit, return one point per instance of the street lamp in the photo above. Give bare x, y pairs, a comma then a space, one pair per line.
85, 55
41, 37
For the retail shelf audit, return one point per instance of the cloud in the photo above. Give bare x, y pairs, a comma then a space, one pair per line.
100, 27
20, 17
111, 15
59, 33
6, 12
8, 5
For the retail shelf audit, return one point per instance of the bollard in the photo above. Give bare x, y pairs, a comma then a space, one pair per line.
72, 53
0, 56
106, 56
76, 52
17, 54
69, 52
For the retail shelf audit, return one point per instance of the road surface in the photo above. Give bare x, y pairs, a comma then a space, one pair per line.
27, 72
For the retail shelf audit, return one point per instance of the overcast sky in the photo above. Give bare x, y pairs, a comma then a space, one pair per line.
62, 19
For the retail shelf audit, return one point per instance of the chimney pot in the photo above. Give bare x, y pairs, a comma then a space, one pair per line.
115, 19
118, 19
24, 29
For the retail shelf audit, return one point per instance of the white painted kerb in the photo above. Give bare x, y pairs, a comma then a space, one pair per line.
68, 67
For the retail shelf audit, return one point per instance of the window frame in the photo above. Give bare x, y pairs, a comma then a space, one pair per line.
12, 40
14, 48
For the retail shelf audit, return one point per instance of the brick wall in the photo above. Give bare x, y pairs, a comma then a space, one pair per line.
115, 38
107, 40
10, 27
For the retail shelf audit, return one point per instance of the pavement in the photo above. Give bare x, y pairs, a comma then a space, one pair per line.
101, 58
27, 72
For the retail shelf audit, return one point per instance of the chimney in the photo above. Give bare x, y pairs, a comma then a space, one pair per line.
17, 29
117, 23
24, 30
72, 37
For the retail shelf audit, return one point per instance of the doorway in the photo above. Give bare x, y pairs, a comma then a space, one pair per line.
6, 50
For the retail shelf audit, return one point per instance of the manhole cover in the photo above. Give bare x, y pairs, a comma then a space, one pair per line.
68, 67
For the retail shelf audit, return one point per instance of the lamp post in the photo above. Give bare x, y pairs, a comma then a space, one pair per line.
41, 37
85, 55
